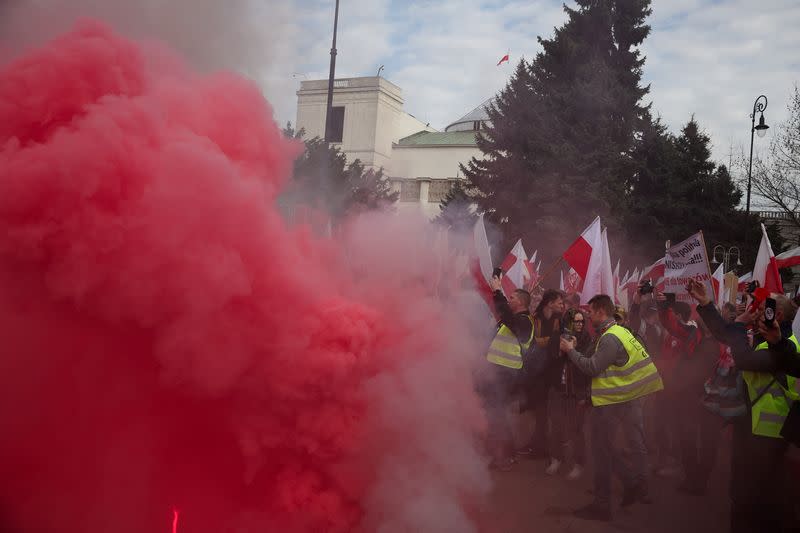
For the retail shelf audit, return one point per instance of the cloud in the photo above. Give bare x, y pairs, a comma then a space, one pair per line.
713, 59
704, 57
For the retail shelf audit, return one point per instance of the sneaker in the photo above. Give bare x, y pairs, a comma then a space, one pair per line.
575, 473
594, 511
553, 467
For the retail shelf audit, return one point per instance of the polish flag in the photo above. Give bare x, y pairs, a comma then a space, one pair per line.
633, 280
561, 281
482, 263
503, 59
744, 280
718, 281
616, 283
585, 256
607, 275
515, 271
789, 258
765, 270
579, 254
655, 273
533, 271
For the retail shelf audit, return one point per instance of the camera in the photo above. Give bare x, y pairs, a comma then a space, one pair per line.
646, 287
752, 286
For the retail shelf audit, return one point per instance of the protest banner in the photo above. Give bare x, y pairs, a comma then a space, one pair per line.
687, 260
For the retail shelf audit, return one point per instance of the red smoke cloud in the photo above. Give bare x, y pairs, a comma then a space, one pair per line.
168, 343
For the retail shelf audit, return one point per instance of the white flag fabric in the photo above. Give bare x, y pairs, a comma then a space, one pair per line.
765, 271
482, 252
719, 285
586, 254
607, 275
515, 271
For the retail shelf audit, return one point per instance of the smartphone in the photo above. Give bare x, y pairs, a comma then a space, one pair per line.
497, 272
769, 311
670, 296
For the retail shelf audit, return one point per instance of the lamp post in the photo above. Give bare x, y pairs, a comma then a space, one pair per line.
761, 129
726, 256
331, 76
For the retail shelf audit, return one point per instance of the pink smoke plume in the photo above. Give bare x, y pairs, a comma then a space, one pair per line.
169, 343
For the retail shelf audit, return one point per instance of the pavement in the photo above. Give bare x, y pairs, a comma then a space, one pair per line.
526, 500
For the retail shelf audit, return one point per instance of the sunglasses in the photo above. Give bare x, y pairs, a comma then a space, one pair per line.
578, 321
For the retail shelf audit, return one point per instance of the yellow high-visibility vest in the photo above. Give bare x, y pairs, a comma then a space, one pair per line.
769, 413
506, 350
636, 378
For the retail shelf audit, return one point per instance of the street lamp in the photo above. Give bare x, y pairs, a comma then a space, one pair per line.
726, 256
761, 129
330, 77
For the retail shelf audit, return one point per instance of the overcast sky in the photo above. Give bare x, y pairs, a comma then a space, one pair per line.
704, 57
707, 58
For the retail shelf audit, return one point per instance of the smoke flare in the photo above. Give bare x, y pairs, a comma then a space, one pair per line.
169, 340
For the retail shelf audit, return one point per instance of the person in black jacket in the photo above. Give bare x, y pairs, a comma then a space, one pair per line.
547, 332
758, 499
500, 382
569, 404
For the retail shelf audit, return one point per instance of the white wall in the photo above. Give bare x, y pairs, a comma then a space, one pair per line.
435, 162
373, 116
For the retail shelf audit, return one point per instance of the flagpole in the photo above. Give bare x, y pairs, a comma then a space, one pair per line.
331, 75
547, 272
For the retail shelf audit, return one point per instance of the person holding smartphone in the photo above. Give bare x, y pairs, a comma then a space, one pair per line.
514, 335
759, 495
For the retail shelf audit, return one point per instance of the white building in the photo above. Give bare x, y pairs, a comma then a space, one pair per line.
369, 124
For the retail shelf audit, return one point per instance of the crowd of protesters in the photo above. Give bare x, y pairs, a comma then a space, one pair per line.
667, 378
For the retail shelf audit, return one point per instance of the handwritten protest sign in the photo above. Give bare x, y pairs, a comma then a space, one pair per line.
684, 261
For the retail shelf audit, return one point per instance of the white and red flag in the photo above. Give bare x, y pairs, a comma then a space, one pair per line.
481, 264
503, 59
616, 283
744, 280
515, 273
579, 253
533, 271
789, 258
765, 271
655, 273
606, 274
718, 280
632, 281
585, 257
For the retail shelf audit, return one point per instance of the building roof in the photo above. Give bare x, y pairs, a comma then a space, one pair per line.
477, 114
439, 138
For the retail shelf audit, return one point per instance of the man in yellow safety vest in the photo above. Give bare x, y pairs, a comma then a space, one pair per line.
513, 337
769, 371
622, 373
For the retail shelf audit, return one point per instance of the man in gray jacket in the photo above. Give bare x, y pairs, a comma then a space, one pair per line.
622, 373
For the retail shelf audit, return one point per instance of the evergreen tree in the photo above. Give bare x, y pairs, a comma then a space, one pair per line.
558, 151
456, 211
677, 190
323, 180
